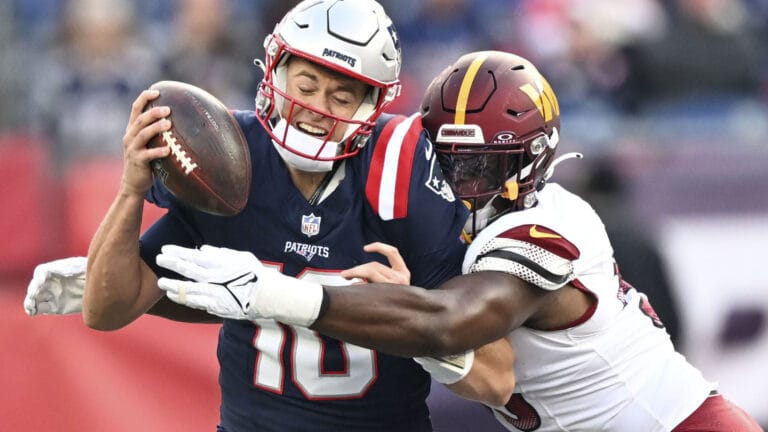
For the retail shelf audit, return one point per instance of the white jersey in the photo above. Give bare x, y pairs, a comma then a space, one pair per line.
614, 370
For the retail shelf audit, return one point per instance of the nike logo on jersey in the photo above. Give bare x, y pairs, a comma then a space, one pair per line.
544, 238
535, 233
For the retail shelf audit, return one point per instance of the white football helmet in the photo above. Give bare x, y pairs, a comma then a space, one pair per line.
352, 37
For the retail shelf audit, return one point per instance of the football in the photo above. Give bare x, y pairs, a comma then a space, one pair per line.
209, 167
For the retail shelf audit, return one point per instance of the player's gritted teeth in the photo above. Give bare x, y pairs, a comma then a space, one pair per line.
311, 130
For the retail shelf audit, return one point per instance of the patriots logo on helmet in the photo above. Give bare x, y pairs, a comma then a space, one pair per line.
327, 52
395, 38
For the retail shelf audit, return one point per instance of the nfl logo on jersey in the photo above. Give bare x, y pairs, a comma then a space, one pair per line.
310, 225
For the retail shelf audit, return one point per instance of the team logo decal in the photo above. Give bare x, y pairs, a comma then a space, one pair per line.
543, 97
437, 184
504, 138
543, 233
351, 61
395, 38
310, 225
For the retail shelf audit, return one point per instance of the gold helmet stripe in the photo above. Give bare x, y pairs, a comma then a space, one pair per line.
466, 85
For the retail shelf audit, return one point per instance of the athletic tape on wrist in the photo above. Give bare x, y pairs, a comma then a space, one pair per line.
448, 369
286, 299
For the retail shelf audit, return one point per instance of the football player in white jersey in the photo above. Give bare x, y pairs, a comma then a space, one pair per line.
590, 353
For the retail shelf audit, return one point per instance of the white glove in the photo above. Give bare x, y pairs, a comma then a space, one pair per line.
234, 284
448, 369
56, 287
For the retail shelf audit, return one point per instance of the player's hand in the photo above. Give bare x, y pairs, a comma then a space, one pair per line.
234, 284
56, 288
142, 126
397, 272
223, 280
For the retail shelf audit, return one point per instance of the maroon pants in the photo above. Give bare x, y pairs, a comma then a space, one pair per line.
718, 414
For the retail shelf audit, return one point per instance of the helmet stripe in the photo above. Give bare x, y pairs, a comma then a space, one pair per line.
466, 85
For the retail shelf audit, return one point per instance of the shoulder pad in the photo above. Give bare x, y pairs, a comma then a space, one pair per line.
544, 238
525, 260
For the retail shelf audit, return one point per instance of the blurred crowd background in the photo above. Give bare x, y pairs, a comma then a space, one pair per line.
667, 99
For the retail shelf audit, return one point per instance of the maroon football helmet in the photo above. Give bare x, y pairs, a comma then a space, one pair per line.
495, 124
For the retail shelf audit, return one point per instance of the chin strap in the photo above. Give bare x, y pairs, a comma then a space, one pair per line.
480, 218
558, 160
306, 144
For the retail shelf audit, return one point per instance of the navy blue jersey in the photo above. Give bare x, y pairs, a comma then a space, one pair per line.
276, 377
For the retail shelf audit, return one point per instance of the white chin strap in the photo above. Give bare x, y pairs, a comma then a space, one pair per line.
480, 218
306, 144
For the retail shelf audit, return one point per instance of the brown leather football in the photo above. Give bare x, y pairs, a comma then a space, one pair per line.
209, 167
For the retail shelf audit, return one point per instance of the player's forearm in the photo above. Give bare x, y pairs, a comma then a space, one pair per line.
113, 288
165, 308
411, 321
390, 318
492, 378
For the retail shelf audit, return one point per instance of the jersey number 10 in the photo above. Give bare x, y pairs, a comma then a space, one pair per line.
305, 362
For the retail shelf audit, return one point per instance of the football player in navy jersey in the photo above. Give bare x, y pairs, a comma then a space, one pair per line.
590, 352
331, 174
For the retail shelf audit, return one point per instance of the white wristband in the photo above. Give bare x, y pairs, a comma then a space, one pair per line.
286, 299
448, 369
